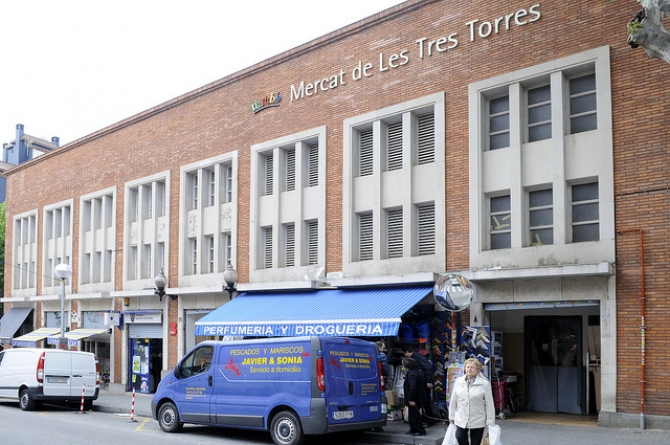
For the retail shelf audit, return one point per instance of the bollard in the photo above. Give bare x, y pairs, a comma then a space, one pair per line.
83, 395
132, 407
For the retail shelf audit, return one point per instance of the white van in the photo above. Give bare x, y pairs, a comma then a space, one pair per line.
32, 375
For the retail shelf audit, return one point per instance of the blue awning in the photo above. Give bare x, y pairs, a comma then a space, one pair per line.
339, 312
12, 321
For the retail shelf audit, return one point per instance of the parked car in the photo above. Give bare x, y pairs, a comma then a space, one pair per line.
31, 376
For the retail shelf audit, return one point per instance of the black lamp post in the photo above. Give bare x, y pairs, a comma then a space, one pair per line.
161, 283
230, 277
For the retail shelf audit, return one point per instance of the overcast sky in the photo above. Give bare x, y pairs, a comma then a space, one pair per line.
72, 67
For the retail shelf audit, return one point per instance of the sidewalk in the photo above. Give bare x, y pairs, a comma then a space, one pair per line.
513, 432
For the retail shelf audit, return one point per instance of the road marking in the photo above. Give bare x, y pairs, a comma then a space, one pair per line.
141, 425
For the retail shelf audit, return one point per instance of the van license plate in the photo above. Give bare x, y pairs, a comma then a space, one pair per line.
56, 379
339, 415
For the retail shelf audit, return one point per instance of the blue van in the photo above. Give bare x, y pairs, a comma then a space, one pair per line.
292, 386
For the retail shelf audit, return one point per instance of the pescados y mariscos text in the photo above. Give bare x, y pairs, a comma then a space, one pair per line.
427, 47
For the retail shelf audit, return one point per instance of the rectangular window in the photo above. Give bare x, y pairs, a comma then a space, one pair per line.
539, 113
289, 243
499, 123
290, 170
394, 146
501, 222
365, 237
365, 153
313, 166
583, 104
228, 183
541, 217
160, 198
192, 190
211, 186
226, 250
269, 174
426, 139
209, 240
426, 227
193, 250
313, 242
585, 213
267, 248
394, 233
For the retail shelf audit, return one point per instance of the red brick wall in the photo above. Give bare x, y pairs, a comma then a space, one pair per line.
217, 119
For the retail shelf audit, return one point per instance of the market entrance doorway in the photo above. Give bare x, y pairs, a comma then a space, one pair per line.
553, 347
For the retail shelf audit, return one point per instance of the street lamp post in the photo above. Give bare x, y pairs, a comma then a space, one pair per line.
63, 271
230, 277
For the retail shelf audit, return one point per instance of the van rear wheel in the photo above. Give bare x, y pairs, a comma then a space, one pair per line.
168, 418
25, 401
286, 429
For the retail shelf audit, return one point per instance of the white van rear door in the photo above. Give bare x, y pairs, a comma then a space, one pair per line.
83, 372
57, 373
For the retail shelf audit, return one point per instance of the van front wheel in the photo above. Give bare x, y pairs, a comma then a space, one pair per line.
286, 429
168, 418
25, 401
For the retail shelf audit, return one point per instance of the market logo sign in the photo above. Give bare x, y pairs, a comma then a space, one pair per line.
271, 100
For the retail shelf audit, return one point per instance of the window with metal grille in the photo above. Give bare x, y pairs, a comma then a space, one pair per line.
269, 174
499, 123
426, 139
289, 246
267, 248
539, 113
290, 170
585, 213
583, 104
313, 169
501, 222
312, 242
394, 146
365, 154
394, 233
541, 217
426, 228
365, 238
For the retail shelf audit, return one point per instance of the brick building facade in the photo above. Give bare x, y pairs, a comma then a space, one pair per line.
500, 140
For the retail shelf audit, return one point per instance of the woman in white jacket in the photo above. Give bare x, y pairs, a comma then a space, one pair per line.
471, 406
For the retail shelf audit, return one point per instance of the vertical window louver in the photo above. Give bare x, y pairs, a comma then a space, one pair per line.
290, 170
290, 245
269, 174
267, 257
313, 172
426, 227
426, 139
313, 242
365, 237
394, 147
394, 248
365, 153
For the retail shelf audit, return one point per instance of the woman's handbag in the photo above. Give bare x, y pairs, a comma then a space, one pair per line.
450, 437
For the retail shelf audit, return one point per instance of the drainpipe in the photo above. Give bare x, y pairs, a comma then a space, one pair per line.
642, 325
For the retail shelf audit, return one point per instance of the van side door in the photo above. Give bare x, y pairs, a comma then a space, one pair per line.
193, 390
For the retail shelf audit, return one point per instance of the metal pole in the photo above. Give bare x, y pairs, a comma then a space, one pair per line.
62, 310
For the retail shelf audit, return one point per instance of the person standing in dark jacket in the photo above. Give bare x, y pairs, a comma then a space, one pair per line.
427, 368
415, 396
